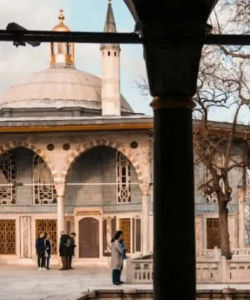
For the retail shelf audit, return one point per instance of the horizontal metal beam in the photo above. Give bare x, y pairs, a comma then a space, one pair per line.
121, 38
227, 39
74, 37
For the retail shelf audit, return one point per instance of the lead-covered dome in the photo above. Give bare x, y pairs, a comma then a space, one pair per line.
58, 88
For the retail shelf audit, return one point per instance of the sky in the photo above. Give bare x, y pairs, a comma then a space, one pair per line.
80, 15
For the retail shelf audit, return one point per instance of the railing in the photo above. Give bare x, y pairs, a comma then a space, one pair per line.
140, 270
211, 267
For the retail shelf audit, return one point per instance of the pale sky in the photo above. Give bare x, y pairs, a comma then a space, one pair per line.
80, 15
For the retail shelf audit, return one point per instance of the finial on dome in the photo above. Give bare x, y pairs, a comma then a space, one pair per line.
109, 1
61, 16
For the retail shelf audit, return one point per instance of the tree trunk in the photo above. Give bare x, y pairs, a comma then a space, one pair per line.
224, 232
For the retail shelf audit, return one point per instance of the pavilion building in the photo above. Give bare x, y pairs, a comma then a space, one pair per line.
75, 157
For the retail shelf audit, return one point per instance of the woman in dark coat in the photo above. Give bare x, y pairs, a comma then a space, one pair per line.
116, 258
40, 250
48, 251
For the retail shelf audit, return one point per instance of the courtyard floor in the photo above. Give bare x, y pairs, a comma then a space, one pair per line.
27, 283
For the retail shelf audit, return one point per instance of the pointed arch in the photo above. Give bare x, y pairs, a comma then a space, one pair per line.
41, 175
26, 144
102, 142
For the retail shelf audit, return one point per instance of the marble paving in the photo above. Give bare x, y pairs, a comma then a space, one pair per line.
27, 283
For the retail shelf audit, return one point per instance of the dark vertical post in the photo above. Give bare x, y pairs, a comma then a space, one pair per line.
174, 235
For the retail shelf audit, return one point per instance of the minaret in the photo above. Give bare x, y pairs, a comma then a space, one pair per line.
62, 54
111, 102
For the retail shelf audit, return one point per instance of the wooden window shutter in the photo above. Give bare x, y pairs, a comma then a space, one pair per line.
104, 235
138, 235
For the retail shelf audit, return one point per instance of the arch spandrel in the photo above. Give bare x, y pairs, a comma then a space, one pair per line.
139, 162
27, 145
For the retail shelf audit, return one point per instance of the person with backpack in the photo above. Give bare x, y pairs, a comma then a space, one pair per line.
65, 250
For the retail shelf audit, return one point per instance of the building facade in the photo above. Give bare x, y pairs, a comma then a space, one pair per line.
75, 157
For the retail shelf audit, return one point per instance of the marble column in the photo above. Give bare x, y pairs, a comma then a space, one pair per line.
174, 231
145, 224
241, 218
25, 230
60, 188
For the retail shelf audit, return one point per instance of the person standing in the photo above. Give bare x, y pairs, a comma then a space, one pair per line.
72, 246
116, 257
48, 247
124, 256
65, 250
40, 250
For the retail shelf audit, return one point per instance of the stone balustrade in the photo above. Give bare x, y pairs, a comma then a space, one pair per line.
211, 267
140, 270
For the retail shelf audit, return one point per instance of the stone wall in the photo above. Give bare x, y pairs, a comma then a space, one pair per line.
227, 294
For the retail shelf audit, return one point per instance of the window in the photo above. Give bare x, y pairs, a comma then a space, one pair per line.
50, 227
7, 237
43, 187
125, 227
60, 48
68, 48
7, 178
123, 178
52, 48
209, 198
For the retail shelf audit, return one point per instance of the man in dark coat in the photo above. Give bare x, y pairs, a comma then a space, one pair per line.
65, 250
72, 246
40, 250
48, 251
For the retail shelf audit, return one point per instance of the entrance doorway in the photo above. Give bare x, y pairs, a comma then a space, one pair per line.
89, 238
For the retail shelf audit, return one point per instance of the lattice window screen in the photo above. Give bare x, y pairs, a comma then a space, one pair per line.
7, 178
7, 237
50, 227
209, 198
212, 198
44, 191
123, 178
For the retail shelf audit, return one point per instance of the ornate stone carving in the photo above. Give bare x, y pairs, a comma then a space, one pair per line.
123, 178
25, 226
44, 191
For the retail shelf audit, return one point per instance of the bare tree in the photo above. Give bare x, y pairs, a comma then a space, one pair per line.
214, 148
222, 85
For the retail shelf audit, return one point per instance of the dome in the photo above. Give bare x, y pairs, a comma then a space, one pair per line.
57, 88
